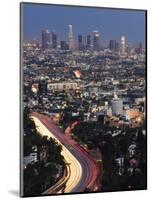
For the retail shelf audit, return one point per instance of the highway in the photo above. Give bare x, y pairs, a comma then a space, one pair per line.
82, 171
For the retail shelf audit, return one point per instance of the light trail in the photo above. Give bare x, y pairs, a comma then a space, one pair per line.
83, 172
75, 167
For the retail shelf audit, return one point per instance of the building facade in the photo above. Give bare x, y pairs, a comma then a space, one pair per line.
123, 45
63, 45
96, 40
113, 45
63, 86
54, 40
70, 37
45, 39
80, 42
117, 106
88, 42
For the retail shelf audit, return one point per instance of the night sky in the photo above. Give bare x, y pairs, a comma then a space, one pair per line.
111, 23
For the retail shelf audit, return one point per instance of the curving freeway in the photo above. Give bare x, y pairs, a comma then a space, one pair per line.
82, 172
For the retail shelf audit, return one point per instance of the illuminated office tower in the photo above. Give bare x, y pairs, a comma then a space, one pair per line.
45, 39
80, 42
54, 40
96, 40
123, 45
70, 37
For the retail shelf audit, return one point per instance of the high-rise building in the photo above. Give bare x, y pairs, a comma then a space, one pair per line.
96, 40
116, 104
64, 45
70, 37
123, 45
116, 46
54, 40
88, 42
139, 50
113, 45
80, 42
45, 39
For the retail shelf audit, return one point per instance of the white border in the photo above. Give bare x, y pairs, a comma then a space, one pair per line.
9, 100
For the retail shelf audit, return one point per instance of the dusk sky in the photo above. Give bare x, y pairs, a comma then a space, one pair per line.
111, 23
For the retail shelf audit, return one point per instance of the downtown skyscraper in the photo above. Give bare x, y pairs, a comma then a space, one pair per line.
80, 42
113, 45
54, 40
45, 39
96, 40
70, 37
88, 42
122, 46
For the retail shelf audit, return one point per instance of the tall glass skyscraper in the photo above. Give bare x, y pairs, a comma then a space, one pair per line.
54, 40
113, 45
96, 40
45, 39
88, 42
122, 45
80, 42
70, 37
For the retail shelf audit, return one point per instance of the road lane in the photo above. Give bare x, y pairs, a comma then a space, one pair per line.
87, 177
75, 167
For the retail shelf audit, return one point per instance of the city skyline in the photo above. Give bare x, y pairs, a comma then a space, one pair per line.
115, 23
84, 100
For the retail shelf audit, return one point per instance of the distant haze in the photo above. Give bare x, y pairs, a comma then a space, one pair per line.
111, 23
